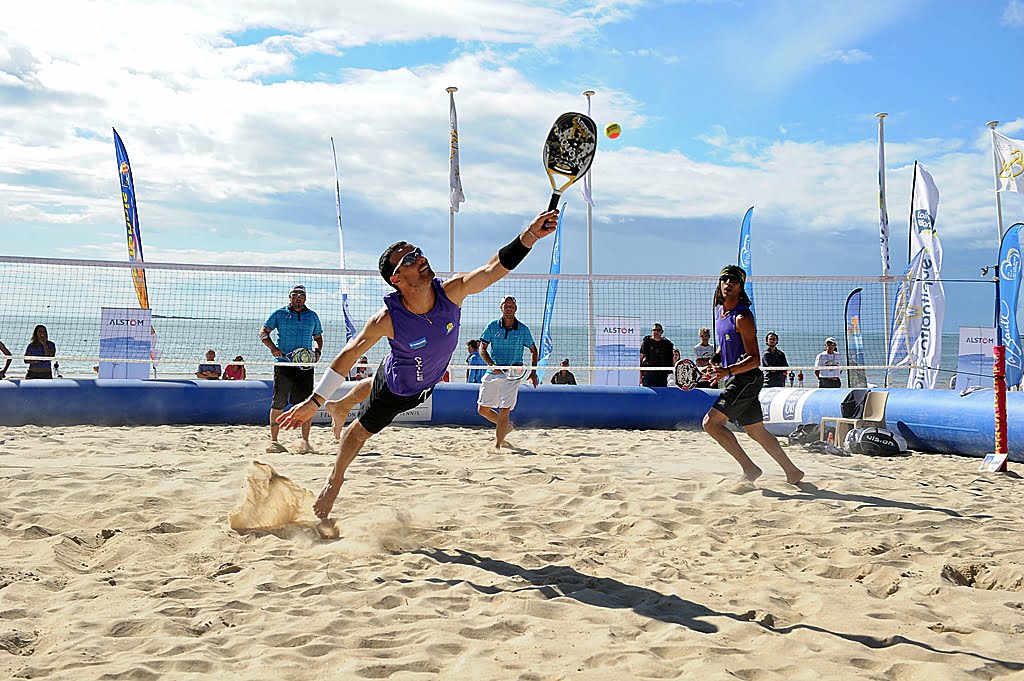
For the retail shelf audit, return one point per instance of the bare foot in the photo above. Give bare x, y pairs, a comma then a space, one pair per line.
338, 409
328, 529
794, 476
752, 474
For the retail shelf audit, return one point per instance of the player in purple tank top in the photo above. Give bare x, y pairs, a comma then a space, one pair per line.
738, 370
421, 322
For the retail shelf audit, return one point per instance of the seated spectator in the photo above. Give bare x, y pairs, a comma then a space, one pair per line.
7, 364
474, 359
235, 372
563, 376
41, 346
209, 370
361, 370
672, 375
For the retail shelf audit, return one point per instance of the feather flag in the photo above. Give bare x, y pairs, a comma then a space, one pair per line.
745, 258
1009, 294
927, 294
883, 213
855, 340
131, 220
454, 177
902, 318
1008, 156
547, 346
350, 327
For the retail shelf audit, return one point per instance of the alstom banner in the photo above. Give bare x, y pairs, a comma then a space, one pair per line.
974, 359
617, 344
125, 335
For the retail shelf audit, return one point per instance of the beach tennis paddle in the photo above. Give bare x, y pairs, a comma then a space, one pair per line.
302, 356
688, 374
517, 373
569, 151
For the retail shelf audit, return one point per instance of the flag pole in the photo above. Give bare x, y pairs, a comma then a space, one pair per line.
883, 229
451, 90
590, 266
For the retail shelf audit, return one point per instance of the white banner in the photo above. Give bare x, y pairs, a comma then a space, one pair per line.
927, 300
974, 360
1009, 163
125, 333
454, 177
617, 344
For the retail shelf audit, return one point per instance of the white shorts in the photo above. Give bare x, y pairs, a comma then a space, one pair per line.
498, 392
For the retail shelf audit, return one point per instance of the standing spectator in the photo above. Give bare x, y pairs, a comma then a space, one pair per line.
773, 357
209, 369
792, 376
474, 359
702, 353
800, 379
563, 376
828, 378
235, 372
502, 344
7, 364
361, 370
41, 346
297, 327
655, 351
672, 374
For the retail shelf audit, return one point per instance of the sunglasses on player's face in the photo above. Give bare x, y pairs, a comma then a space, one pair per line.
409, 258
731, 279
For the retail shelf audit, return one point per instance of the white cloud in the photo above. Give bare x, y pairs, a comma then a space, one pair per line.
1013, 14
851, 56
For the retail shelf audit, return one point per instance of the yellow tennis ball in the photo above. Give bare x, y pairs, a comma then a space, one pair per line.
612, 130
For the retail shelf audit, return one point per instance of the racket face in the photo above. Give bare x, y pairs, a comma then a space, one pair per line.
570, 147
517, 373
302, 356
687, 374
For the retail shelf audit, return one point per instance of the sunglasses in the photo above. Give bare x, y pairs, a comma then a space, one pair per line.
657, 330
409, 258
731, 279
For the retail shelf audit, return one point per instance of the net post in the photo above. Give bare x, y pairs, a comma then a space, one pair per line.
999, 377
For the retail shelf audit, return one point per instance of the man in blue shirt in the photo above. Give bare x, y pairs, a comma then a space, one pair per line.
502, 344
474, 359
297, 327
209, 369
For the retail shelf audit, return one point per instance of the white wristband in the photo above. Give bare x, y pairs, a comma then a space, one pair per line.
329, 383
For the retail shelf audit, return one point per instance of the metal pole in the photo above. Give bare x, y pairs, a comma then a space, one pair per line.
884, 236
590, 268
451, 213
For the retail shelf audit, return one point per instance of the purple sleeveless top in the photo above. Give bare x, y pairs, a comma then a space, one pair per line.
423, 344
729, 342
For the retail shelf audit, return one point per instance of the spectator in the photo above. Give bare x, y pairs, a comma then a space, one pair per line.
41, 346
703, 352
773, 357
7, 364
655, 351
502, 344
672, 374
800, 379
792, 376
474, 359
563, 376
209, 370
235, 372
828, 378
361, 370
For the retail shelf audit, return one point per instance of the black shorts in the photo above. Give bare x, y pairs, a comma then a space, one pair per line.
775, 379
655, 379
739, 399
291, 386
829, 383
382, 406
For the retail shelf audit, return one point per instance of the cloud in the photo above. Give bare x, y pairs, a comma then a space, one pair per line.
1013, 14
851, 56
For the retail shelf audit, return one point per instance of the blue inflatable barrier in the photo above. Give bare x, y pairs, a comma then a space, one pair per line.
930, 420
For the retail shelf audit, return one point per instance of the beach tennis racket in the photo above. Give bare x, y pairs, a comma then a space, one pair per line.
569, 151
517, 373
688, 374
302, 356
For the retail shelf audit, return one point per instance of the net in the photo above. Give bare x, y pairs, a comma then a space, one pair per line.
196, 308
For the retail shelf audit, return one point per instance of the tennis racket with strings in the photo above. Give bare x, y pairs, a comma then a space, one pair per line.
302, 356
517, 373
688, 374
569, 151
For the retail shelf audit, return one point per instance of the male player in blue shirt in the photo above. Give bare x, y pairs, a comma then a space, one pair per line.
502, 344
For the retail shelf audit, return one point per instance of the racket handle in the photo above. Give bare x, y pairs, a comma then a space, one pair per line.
553, 204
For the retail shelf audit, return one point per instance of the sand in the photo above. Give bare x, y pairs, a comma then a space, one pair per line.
585, 554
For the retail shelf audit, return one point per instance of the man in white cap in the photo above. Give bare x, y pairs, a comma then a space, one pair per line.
298, 328
828, 378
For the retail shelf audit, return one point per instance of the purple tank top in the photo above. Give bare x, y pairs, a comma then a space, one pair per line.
423, 344
729, 342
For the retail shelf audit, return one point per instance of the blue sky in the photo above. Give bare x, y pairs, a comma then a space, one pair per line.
227, 115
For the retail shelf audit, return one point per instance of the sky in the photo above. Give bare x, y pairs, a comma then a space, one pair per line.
227, 110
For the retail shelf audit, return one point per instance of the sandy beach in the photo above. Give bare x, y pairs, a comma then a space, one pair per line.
583, 554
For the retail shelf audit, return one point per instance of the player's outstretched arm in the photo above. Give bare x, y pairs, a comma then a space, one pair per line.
376, 327
504, 261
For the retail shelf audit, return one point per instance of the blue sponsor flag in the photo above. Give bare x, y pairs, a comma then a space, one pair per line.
744, 258
131, 219
1009, 293
547, 346
854, 341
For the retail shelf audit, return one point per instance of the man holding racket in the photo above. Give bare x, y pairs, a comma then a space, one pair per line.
421, 321
741, 377
297, 327
502, 344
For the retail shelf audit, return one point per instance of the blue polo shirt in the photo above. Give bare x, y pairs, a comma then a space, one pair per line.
505, 346
294, 329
